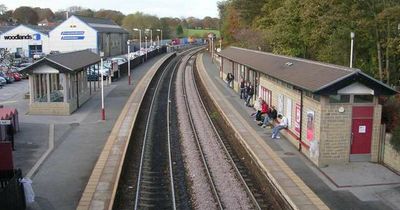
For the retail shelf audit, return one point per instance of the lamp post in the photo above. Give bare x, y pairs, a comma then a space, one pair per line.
160, 30
129, 62
103, 112
145, 38
151, 36
140, 39
351, 50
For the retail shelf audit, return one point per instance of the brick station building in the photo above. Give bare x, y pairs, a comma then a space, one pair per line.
333, 111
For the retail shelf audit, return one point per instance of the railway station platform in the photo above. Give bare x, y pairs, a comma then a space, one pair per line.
357, 185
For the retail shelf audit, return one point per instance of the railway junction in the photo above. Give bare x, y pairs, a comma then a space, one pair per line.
179, 138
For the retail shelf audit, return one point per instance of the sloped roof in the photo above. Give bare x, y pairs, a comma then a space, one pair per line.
67, 62
4, 29
317, 77
41, 29
102, 24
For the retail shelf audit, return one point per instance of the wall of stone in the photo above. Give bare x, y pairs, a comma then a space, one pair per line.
391, 156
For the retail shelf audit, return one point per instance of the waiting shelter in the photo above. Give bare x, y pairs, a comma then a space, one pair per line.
58, 83
333, 111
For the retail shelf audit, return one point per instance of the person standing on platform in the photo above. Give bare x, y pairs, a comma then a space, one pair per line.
242, 88
250, 93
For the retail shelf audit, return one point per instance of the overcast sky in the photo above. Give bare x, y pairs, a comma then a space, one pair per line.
160, 8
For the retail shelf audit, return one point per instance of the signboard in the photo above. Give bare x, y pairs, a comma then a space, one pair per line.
297, 119
5, 122
362, 129
310, 125
72, 35
23, 37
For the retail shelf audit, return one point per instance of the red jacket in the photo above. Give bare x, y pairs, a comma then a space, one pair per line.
264, 108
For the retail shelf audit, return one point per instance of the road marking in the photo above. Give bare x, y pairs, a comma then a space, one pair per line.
8, 102
44, 156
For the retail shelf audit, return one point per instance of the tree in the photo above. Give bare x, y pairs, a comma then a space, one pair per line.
179, 30
25, 15
116, 16
45, 13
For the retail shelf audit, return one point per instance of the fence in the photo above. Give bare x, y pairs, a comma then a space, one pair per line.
139, 60
11, 190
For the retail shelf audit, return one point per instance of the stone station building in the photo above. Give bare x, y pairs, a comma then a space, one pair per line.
58, 83
333, 111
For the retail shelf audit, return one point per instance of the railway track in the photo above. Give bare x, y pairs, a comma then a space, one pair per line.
240, 171
155, 176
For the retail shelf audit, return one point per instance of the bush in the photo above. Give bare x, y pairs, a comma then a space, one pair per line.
391, 117
390, 112
395, 140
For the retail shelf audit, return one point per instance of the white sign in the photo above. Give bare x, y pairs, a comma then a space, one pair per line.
362, 129
5, 122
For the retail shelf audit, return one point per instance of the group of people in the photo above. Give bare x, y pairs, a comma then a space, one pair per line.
246, 91
265, 116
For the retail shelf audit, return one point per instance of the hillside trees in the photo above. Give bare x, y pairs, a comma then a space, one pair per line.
320, 30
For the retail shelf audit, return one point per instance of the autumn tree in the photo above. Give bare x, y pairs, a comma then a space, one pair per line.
116, 16
44, 13
25, 15
179, 30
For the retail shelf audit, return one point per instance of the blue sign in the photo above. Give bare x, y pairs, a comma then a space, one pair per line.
36, 37
72, 37
72, 32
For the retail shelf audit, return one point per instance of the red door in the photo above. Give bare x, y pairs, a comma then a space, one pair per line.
361, 130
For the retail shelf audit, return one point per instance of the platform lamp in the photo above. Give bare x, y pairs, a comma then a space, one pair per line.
351, 50
151, 36
140, 39
145, 42
129, 62
160, 30
103, 112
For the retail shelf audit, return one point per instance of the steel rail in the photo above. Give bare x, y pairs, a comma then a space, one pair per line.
209, 175
220, 141
145, 141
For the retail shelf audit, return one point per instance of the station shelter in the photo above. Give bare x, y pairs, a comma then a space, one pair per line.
58, 83
333, 111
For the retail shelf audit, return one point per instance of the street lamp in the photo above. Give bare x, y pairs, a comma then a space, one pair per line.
160, 30
129, 62
140, 39
145, 38
151, 36
351, 50
103, 112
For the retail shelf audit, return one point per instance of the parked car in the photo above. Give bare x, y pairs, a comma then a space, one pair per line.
119, 60
2, 82
6, 77
38, 55
17, 76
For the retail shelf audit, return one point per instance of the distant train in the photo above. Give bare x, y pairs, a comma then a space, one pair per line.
189, 40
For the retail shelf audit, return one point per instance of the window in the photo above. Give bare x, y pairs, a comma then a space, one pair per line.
363, 98
339, 98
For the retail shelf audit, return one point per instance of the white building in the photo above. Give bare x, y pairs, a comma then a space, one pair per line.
96, 34
75, 33
25, 39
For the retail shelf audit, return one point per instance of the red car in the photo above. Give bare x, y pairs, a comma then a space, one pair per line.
17, 76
